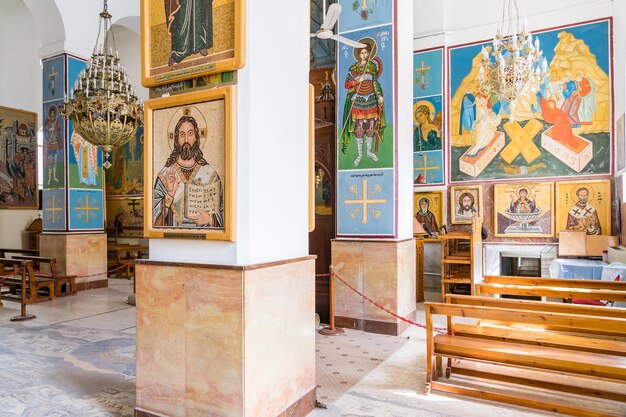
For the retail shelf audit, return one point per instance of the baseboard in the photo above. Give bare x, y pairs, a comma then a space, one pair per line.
375, 326
300, 408
92, 285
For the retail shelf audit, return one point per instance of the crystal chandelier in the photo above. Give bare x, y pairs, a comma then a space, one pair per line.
103, 106
514, 62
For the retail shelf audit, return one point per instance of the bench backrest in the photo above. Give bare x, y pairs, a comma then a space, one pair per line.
556, 282
556, 321
31, 252
14, 266
537, 306
39, 260
550, 291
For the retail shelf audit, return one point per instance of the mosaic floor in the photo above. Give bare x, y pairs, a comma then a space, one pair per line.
77, 359
343, 360
66, 371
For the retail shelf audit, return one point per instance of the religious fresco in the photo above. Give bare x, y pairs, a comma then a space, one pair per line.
428, 132
429, 209
86, 210
124, 217
428, 165
428, 72
190, 174
365, 109
18, 159
85, 175
356, 14
125, 178
524, 210
187, 39
53, 78
366, 145
584, 206
53, 209
562, 129
365, 203
84, 163
466, 202
53, 145
54, 126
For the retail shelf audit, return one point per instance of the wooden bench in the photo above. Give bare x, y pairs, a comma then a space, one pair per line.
590, 361
46, 267
29, 252
553, 287
124, 254
556, 282
557, 337
12, 280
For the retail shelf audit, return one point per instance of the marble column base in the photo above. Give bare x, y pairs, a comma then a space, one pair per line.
84, 255
382, 270
225, 340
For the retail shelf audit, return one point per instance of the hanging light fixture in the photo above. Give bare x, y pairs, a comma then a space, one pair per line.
103, 106
514, 60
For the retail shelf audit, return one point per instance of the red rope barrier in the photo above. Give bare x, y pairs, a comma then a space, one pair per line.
441, 330
117, 268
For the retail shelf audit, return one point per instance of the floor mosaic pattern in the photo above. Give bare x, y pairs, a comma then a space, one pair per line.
60, 370
343, 360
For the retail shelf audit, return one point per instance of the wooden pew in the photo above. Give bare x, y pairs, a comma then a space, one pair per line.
517, 356
124, 254
29, 252
557, 337
556, 282
52, 271
12, 280
553, 287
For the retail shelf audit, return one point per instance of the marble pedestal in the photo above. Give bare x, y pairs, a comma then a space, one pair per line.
383, 271
84, 255
226, 341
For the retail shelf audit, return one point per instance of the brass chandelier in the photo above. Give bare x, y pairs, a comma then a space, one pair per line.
103, 106
513, 62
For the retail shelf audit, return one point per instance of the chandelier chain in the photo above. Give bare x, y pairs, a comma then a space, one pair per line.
514, 64
103, 106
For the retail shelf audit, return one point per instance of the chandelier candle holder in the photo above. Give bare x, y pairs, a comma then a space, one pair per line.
514, 62
103, 106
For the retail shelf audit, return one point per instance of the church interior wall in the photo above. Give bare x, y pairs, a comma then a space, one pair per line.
404, 109
266, 153
21, 88
453, 22
42, 32
435, 23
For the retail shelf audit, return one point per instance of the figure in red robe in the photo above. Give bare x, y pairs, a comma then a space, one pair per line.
561, 130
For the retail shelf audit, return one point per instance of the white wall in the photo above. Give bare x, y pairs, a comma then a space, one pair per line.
272, 146
128, 46
405, 120
32, 29
467, 21
20, 87
80, 20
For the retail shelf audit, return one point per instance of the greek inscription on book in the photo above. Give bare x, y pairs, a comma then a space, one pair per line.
201, 198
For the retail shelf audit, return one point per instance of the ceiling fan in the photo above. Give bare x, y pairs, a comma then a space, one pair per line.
326, 28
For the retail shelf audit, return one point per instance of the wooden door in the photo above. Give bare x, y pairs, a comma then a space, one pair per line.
319, 239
